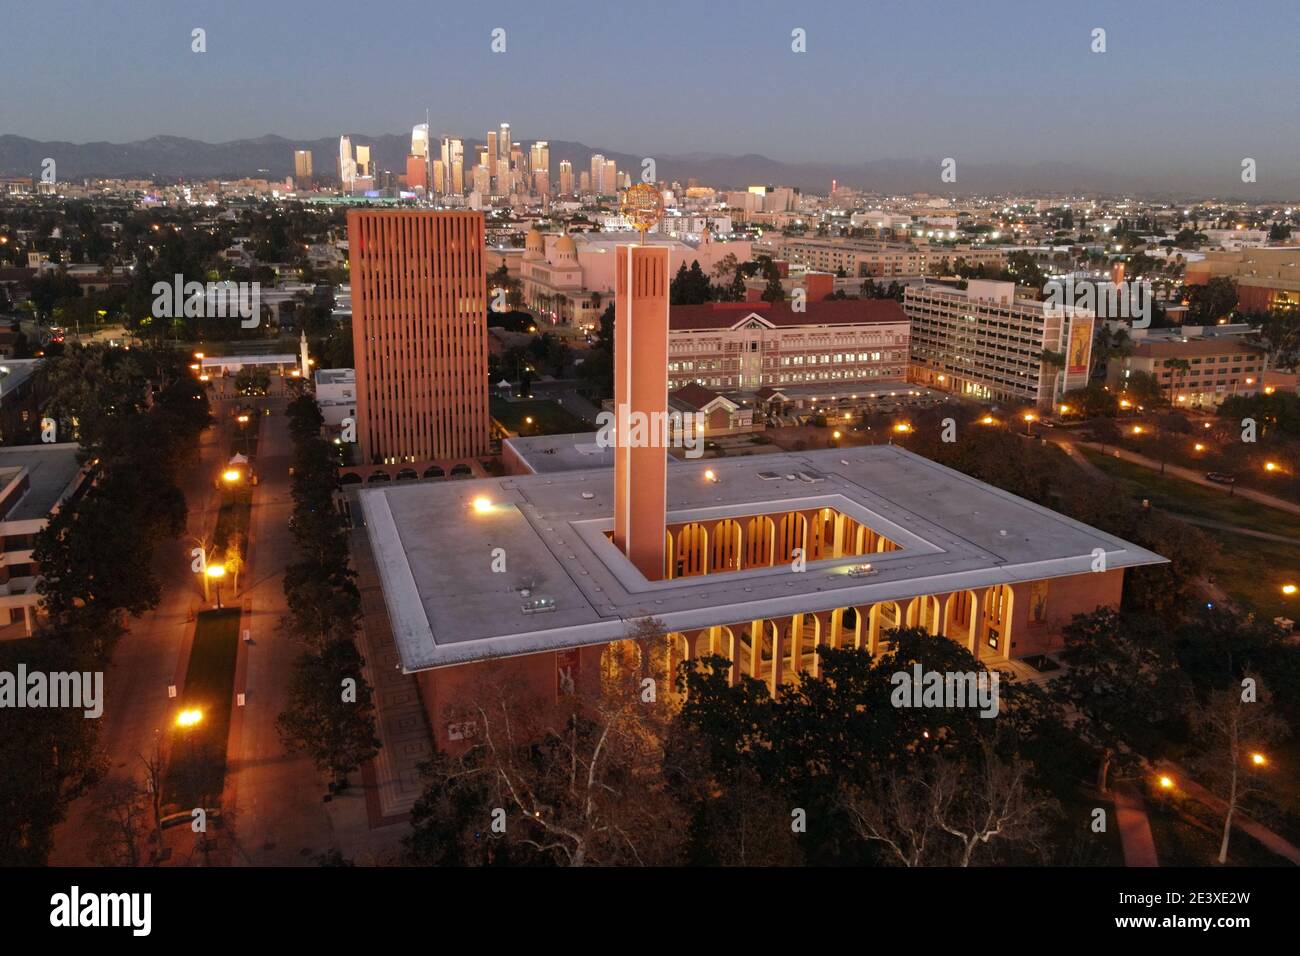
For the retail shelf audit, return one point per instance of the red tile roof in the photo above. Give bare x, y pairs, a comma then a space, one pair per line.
723, 315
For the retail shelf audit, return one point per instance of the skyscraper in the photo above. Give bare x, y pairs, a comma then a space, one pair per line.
419, 333
539, 161
566, 177
347, 164
302, 167
363, 161
420, 140
598, 174
453, 166
609, 184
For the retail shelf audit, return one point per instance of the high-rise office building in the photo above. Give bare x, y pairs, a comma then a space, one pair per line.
453, 166
598, 174
363, 161
609, 184
566, 177
584, 182
539, 161
419, 333
302, 167
347, 164
420, 140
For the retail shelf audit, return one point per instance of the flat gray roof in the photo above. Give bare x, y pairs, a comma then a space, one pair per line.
552, 454
434, 553
50, 468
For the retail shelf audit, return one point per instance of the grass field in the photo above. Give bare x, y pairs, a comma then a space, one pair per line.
1251, 570
197, 768
1189, 498
548, 417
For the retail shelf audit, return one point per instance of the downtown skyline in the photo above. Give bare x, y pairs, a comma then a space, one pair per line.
889, 84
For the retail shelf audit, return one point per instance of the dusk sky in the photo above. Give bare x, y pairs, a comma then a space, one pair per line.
1182, 83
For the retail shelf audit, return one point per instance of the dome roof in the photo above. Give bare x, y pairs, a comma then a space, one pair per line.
565, 246
533, 241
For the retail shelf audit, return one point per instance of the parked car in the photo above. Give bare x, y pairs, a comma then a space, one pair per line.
1219, 478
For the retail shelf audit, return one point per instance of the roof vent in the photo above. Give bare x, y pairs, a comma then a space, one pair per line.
538, 605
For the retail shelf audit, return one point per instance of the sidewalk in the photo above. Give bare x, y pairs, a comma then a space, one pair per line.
1262, 834
1188, 474
1134, 828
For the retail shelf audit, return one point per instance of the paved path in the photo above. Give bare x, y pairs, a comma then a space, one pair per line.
1266, 837
151, 655
1134, 827
1185, 473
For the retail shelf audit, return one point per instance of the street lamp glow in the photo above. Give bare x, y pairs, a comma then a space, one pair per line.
230, 475
482, 504
1166, 783
1288, 589
1137, 429
987, 420
1270, 466
1029, 416
1258, 759
1065, 409
902, 427
216, 571
1199, 447
188, 718
1125, 403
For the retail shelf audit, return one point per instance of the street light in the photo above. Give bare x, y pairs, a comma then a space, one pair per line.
230, 476
1029, 422
217, 572
1258, 759
1166, 782
189, 717
1288, 589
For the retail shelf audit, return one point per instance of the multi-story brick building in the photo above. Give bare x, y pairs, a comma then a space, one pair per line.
860, 257
743, 346
1216, 368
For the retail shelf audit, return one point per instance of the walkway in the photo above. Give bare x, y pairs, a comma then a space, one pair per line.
1266, 837
1187, 474
1134, 827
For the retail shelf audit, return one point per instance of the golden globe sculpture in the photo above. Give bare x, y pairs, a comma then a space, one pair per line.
643, 206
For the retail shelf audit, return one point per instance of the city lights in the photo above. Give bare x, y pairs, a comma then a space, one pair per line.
189, 717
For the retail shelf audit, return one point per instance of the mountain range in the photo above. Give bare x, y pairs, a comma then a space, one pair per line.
167, 158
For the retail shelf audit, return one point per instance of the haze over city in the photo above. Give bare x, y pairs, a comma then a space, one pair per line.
1002, 83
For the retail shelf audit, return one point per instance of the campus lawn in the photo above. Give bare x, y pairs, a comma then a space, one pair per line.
549, 418
197, 767
1251, 570
1187, 833
1188, 498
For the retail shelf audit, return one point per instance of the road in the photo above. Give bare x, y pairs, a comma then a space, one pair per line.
151, 655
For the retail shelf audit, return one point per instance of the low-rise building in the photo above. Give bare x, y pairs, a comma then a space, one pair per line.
1195, 373
336, 395
35, 481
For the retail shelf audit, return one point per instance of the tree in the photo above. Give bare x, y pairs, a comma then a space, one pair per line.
1208, 303
330, 715
579, 780
948, 810
1233, 726
1124, 681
